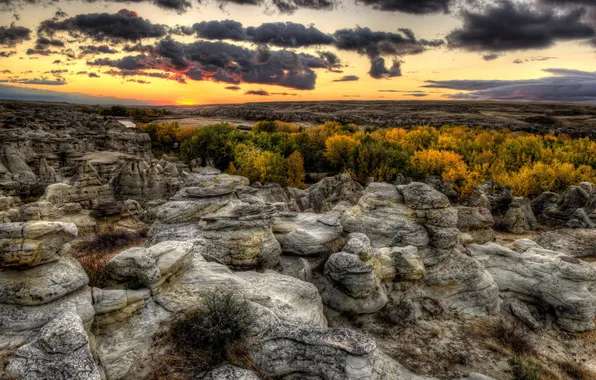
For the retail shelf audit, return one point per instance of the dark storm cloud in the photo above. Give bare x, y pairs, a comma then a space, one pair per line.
179, 6
418, 7
283, 34
6, 54
563, 85
331, 59
512, 26
347, 78
292, 35
127, 73
44, 43
378, 69
122, 26
56, 72
138, 48
130, 62
257, 92
140, 81
223, 62
291, 6
93, 49
218, 30
287, 34
472, 84
45, 52
13, 35
285, 6
364, 41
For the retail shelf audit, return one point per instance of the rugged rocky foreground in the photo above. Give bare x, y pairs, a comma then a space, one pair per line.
329, 272
397, 251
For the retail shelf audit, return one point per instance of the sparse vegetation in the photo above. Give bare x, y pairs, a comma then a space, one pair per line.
213, 333
527, 368
93, 254
576, 371
513, 336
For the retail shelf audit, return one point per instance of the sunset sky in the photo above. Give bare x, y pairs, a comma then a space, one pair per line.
234, 51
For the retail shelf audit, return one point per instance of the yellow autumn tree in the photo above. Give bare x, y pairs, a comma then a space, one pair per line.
296, 170
450, 166
339, 150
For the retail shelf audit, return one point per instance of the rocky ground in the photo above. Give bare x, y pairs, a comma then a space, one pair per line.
338, 281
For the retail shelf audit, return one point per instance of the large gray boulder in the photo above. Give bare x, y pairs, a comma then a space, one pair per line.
61, 351
307, 234
34, 243
382, 215
325, 194
476, 221
549, 281
415, 254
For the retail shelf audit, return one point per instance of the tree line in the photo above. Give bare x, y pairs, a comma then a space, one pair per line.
275, 151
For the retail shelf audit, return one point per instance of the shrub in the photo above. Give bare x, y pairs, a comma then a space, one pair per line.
95, 267
216, 328
107, 242
214, 142
525, 368
93, 254
513, 336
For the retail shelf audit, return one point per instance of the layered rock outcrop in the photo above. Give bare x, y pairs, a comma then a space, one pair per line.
403, 252
574, 208
38, 279
546, 283
229, 217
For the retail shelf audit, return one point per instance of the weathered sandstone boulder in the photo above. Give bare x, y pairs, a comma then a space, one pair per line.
325, 194
476, 221
411, 255
307, 234
550, 282
61, 351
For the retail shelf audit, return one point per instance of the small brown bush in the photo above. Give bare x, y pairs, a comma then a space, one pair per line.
95, 267
216, 328
107, 242
513, 336
93, 254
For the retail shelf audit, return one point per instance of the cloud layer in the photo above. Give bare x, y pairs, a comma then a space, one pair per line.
563, 85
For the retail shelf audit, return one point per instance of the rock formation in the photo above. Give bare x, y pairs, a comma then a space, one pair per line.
546, 283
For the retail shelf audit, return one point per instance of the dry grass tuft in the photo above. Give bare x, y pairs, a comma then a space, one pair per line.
513, 336
575, 371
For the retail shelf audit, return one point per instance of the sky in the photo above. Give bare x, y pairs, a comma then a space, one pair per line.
189, 52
